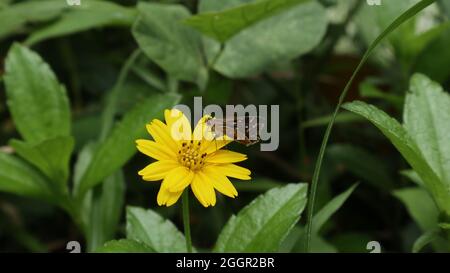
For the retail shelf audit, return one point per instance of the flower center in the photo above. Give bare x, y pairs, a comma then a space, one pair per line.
189, 155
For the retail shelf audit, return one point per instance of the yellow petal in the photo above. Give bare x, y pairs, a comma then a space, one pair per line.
225, 156
165, 197
215, 145
160, 133
173, 198
155, 150
158, 170
220, 182
178, 125
235, 171
203, 190
184, 179
173, 176
202, 131
172, 115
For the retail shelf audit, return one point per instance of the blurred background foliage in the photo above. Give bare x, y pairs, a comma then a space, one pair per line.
299, 58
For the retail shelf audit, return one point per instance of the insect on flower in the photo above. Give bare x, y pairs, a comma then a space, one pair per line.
241, 129
189, 158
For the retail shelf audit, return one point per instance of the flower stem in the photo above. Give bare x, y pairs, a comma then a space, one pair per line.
186, 222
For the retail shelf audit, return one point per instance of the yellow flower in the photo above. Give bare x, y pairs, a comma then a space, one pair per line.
189, 158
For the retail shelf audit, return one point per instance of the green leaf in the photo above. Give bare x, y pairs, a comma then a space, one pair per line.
37, 101
362, 164
14, 17
51, 156
18, 177
104, 210
444, 225
265, 222
119, 146
324, 214
222, 25
124, 246
147, 227
276, 39
90, 14
400, 138
420, 206
427, 120
170, 44
400, 20
426, 238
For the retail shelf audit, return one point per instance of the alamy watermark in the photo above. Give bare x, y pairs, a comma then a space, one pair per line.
245, 124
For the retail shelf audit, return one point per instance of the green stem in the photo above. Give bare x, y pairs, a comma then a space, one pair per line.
186, 222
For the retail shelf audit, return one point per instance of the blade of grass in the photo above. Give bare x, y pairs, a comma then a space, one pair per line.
394, 25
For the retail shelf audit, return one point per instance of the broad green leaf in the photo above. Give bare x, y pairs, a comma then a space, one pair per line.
51, 156
276, 39
37, 101
170, 44
362, 164
222, 25
14, 17
18, 177
119, 146
427, 120
124, 246
406, 146
426, 238
91, 14
325, 213
147, 227
444, 225
420, 206
104, 210
265, 222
